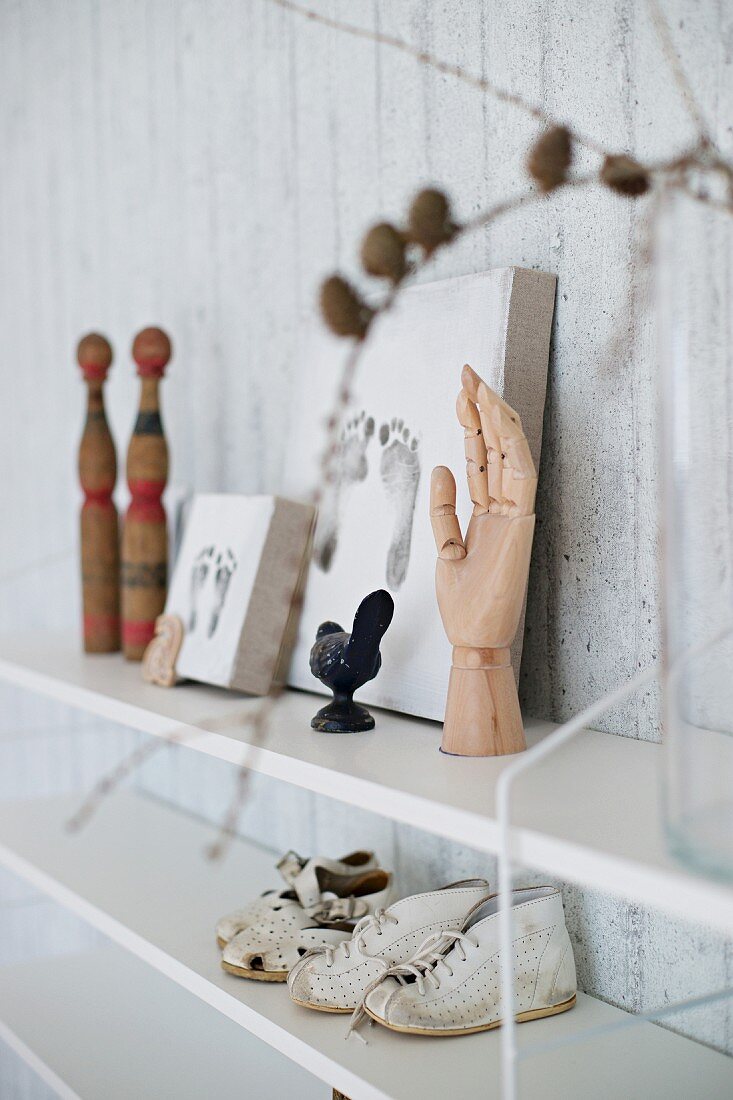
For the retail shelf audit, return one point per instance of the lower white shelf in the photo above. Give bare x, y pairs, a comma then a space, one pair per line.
137, 873
103, 1024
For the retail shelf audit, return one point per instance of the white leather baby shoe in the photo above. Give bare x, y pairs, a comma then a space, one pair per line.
452, 985
269, 947
334, 979
307, 880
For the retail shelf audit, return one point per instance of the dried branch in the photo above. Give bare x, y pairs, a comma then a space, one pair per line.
424, 57
124, 768
680, 76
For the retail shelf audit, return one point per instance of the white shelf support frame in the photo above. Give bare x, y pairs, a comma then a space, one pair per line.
561, 736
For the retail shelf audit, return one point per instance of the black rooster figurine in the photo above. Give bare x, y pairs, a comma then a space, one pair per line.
345, 662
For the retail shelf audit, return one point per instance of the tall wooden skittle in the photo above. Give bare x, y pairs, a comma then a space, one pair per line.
100, 545
145, 536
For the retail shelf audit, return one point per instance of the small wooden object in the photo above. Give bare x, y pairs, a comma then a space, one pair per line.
159, 660
481, 580
145, 536
100, 547
345, 662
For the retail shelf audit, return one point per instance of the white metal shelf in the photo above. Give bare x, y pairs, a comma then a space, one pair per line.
103, 1024
136, 873
589, 814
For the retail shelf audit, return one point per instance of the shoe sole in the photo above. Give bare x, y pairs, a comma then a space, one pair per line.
319, 1008
255, 975
523, 1017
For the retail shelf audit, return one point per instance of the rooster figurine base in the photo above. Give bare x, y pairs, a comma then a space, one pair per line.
345, 662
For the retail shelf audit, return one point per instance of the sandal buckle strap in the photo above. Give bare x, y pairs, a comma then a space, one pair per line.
290, 866
335, 910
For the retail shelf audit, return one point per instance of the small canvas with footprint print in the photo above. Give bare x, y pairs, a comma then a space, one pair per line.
374, 528
234, 621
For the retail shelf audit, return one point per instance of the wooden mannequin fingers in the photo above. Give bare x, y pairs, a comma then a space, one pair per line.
484, 396
519, 494
512, 477
517, 455
496, 478
468, 414
475, 448
446, 528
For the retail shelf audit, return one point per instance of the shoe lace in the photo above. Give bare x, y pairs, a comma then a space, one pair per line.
427, 964
357, 944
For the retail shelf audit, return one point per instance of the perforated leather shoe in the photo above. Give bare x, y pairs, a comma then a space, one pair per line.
268, 948
306, 882
452, 985
333, 979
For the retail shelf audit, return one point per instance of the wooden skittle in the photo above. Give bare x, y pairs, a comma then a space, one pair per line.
481, 580
145, 535
100, 545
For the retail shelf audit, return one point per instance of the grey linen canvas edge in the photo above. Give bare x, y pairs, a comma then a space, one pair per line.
267, 630
373, 529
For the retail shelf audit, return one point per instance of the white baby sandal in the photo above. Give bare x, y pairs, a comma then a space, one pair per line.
303, 878
334, 978
273, 943
452, 985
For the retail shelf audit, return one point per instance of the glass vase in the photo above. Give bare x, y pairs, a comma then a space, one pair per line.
694, 281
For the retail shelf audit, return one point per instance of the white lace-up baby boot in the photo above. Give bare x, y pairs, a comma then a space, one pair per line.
306, 881
269, 947
333, 979
452, 984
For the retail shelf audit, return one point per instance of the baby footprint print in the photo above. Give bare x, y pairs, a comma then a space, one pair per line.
352, 466
226, 563
199, 573
400, 471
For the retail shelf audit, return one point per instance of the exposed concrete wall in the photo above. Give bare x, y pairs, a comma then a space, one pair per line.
202, 165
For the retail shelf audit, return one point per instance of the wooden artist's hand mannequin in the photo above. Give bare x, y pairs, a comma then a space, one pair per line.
481, 580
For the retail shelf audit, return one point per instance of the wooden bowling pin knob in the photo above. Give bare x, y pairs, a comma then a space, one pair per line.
145, 537
151, 350
94, 355
100, 552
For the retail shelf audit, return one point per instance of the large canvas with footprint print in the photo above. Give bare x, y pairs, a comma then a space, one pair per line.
373, 529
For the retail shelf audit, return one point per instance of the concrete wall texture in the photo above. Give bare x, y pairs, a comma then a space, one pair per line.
202, 166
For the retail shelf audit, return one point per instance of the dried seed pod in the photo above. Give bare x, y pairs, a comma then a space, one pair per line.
550, 157
383, 253
625, 175
343, 310
429, 220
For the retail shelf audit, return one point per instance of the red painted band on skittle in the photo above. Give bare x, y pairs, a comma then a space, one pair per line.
94, 373
146, 487
138, 632
152, 368
145, 506
101, 498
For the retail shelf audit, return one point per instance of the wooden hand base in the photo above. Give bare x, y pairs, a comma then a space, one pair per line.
482, 716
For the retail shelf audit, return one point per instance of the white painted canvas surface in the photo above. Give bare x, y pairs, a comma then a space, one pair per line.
375, 531
213, 580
